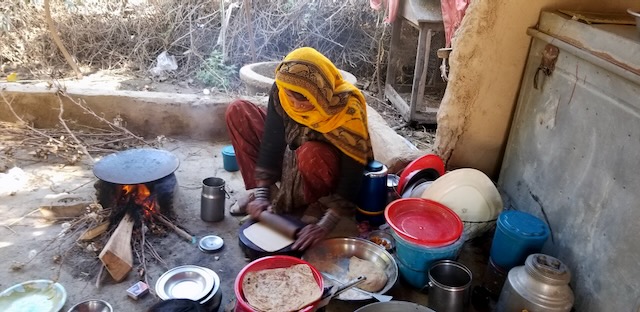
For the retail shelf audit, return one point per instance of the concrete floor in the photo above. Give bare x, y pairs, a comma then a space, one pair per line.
28, 239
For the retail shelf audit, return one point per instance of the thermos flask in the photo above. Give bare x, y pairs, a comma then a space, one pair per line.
372, 198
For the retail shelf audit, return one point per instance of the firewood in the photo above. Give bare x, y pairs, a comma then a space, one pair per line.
182, 233
94, 231
117, 255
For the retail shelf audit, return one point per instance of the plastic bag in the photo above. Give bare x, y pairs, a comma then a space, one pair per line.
164, 62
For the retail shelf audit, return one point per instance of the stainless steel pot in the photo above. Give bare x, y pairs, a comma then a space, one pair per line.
541, 284
449, 286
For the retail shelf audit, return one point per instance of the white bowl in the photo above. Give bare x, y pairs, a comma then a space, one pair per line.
34, 295
468, 192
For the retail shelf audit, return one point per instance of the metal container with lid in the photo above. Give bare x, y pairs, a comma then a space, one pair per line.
518, 234
541, 284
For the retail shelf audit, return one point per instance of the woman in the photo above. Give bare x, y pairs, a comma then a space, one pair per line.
312, 139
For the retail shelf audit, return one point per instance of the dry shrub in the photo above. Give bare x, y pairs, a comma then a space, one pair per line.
129, 34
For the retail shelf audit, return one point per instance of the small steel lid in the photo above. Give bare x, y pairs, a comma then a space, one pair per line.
210, 243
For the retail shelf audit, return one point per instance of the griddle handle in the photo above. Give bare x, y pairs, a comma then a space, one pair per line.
279, 224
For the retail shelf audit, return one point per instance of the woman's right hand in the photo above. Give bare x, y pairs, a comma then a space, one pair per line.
257, 206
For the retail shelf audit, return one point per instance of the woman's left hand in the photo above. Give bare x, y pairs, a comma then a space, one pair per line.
308, 236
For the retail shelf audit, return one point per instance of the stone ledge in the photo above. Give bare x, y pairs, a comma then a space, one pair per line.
175, 115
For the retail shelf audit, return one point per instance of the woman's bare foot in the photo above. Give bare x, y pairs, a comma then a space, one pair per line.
239, 208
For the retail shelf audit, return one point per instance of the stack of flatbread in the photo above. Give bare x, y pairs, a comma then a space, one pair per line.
283, 289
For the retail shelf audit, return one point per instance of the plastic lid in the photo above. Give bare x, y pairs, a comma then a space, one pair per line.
522, 224
423, 162
211, 243
423, 222
228, 150
374, 166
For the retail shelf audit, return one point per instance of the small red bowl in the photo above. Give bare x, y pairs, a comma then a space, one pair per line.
271, 262
424, 222
427, 161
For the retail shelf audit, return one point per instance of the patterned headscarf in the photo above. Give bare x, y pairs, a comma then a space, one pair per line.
340, 112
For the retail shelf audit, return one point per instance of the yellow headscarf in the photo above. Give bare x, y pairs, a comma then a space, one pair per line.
340, 112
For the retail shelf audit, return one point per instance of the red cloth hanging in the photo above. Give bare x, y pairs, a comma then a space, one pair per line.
452, 13
392, 6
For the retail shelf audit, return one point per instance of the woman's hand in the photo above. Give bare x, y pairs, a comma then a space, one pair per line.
257, 206
309, 236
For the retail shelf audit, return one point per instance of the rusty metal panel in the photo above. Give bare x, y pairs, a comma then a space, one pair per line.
614, 43
573, 157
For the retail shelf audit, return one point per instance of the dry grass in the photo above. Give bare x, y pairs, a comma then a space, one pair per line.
129, 34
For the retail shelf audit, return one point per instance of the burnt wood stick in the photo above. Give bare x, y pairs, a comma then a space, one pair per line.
117, 255
182, 233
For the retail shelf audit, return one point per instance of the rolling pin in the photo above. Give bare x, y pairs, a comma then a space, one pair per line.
279, 223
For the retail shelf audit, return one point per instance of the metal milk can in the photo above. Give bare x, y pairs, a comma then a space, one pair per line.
373, 194
540, 285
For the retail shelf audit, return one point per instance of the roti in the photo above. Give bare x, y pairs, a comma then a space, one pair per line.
283, 289
376, 277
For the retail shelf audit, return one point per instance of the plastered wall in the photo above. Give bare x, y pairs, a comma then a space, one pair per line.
489, 53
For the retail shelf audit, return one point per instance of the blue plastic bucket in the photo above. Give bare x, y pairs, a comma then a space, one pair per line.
415, 260
518, 234
229, 159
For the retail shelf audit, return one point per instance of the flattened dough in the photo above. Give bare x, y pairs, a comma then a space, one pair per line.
376, 277
283, 289
266, 238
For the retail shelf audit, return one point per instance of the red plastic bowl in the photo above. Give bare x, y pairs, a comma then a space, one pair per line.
423, 222
427, 161
271, 262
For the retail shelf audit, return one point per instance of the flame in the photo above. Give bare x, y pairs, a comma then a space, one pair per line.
141, 195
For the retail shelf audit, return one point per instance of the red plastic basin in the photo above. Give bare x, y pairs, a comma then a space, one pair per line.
423, 222
271, 262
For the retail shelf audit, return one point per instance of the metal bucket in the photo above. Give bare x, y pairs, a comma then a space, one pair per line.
212, 200
449, 286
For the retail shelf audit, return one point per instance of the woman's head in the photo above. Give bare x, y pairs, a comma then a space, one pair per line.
312, 92
307, 72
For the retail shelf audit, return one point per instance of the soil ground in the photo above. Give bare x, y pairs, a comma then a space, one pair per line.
31, 244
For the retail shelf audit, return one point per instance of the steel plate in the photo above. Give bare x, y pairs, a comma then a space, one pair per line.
35, 295
332, 256
215, 296
136, 166
185, 282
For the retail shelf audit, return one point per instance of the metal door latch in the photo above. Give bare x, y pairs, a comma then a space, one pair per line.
548, 62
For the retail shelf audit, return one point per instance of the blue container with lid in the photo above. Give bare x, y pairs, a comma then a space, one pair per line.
415, 260
372, 198
229, 159
518, 234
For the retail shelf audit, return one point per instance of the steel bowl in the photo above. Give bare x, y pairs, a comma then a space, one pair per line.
332, 256
383, 239
393, 306
92, 305
185, 282
636, 15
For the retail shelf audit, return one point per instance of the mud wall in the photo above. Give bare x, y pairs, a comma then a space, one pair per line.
488, 58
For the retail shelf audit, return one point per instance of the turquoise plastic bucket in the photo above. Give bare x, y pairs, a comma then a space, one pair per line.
229, 159
518, 234
415, 260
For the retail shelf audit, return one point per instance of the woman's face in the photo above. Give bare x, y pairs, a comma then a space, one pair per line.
299, 101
